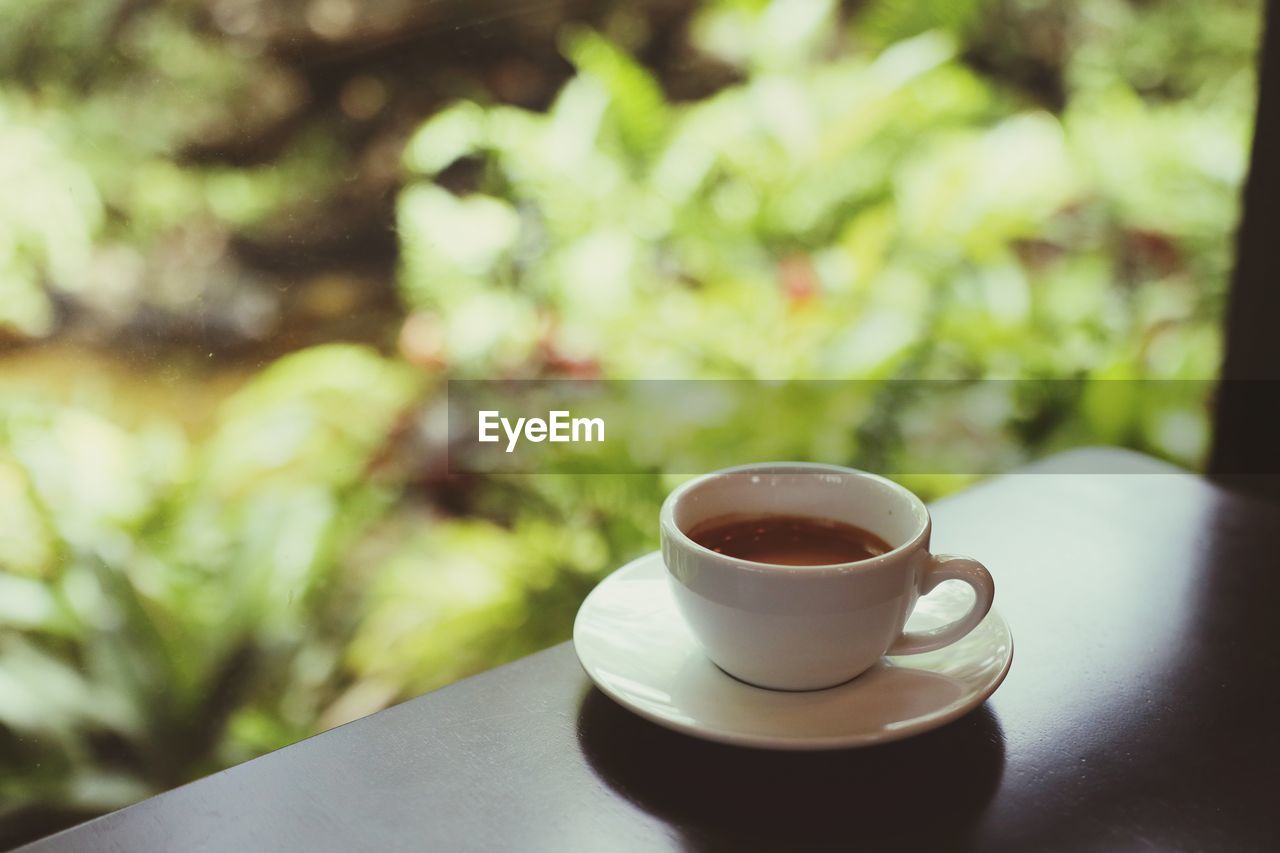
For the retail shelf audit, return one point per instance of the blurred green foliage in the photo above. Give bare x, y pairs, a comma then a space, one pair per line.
882, 189
152, 587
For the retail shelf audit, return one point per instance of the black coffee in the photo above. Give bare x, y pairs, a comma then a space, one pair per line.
787, 540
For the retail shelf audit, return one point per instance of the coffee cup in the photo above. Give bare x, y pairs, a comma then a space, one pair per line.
808, 627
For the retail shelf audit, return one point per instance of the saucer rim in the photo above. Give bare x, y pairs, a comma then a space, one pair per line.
789, 743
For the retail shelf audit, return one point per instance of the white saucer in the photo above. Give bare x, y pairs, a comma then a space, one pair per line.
635, 646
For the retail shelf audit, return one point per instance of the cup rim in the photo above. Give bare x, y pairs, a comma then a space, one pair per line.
668, 526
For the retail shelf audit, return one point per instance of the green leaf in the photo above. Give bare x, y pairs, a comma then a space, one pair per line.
895, 20
637, 106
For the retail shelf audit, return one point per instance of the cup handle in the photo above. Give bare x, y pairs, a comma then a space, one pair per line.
943, 567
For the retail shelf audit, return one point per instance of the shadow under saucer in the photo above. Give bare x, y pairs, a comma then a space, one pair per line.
928, 791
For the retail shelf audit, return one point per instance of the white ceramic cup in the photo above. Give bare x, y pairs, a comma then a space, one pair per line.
810, 627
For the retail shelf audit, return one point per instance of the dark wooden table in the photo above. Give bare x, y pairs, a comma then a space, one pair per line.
1140, 713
